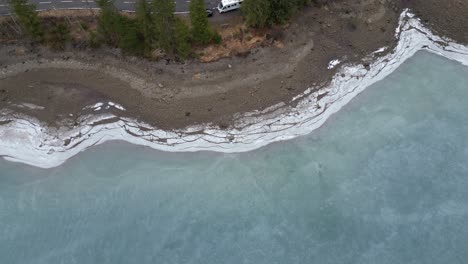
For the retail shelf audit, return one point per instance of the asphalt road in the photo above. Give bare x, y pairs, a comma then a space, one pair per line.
126, 5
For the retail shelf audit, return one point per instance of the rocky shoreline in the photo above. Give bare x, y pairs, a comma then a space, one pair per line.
171, 95
30, 141
54, 105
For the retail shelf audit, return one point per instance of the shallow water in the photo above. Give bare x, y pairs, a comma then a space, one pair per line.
384, 181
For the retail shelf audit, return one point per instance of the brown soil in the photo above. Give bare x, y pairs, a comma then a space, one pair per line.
447, 18
172, 95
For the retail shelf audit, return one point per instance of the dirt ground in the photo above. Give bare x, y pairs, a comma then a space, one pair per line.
448, 18
171, 95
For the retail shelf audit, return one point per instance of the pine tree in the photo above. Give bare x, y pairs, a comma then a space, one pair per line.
131, 39
257, 12
164, 23
261, 13
28, 19
201, 32
281, 11
182, 39
58, 36
146, 26
172, 33
108, 22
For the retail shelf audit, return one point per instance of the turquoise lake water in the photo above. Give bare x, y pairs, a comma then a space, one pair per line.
384, 181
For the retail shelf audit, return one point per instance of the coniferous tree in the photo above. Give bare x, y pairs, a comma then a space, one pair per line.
164, 23
146, 25
58, 36
172, 33
182, 39
131, 39
257, 12
201, 32
109, 23
28, 19
281, 10
261, 13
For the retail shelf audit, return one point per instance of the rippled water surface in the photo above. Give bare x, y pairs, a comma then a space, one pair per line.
384, 181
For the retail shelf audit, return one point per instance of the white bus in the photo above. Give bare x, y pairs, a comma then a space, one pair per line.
229, 5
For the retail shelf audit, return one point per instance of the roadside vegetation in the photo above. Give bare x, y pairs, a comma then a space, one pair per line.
31, 24
201, 32
153, 31
264, 13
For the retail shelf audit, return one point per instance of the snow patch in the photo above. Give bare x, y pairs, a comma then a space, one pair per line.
332, 64
121, 108
29, 106
99, 106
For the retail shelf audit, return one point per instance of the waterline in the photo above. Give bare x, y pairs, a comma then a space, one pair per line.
29, 141
384, 181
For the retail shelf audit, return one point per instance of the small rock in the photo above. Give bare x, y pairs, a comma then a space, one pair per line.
20, 51
367, 66
160, 85
229, 66
196, 76
223, 126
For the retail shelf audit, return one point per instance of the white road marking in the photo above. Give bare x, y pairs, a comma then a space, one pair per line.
129, 2
2, 5
88, 1
67, 1
44, 3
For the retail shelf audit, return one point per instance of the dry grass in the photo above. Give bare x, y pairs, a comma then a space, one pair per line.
237, 40
9, 31
69, 13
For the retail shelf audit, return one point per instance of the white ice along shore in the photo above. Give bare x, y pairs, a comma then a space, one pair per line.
23, 139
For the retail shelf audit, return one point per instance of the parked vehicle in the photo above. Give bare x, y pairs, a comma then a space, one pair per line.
229, 5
